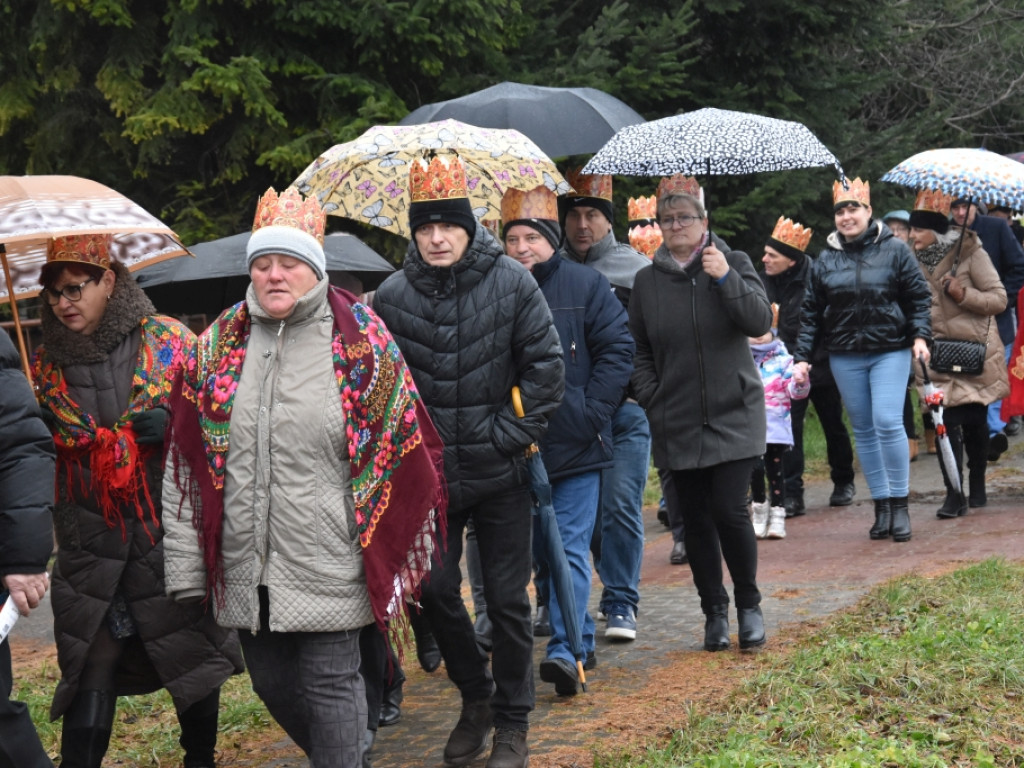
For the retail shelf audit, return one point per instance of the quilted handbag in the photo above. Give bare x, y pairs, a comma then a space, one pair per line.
957, 356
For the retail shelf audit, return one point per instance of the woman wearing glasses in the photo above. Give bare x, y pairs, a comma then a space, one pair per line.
102, 377
692, 312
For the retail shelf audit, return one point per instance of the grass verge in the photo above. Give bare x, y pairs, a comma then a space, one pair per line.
923, 673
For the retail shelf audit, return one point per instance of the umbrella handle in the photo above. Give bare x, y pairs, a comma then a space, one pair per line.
924, 369
517, 402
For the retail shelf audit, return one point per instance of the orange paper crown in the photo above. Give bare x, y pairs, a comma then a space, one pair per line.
679, 184
597, 185
290, 210
775, 316
859, 192
642, 208
792, 234
933, 201
85, 249
539, 203
646, 239
441, 179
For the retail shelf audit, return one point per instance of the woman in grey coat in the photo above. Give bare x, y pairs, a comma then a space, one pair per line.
691, 313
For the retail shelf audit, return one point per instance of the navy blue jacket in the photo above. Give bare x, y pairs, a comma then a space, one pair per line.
598, 352
1008, 258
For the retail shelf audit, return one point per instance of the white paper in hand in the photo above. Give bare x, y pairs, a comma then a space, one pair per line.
8, 614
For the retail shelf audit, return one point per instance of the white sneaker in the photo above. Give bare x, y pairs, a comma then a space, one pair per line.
776, 523
759, 517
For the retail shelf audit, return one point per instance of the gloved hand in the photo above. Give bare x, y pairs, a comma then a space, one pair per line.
149, 426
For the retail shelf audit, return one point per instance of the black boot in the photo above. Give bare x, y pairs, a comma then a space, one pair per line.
199, 731
751, 634
391, 704
85, 733
469, 738
976, 448
900, 518
716, 628
883, 520
952, 506
427, 652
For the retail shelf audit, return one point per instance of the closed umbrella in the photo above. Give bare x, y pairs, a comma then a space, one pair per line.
217, 277
561, 121
933, 398
554, 550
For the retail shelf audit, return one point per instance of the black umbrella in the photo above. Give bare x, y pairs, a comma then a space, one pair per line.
217, 278
561, 121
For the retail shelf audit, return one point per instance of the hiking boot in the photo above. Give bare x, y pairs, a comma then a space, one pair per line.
509, 750
469, 737
759, 512
776, 523
883, 520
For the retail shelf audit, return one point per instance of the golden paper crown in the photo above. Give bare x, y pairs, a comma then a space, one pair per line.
642, 208
933, 201
679, 184
792, 234
646, 239
444, 178
290, 210
775, 317
859, 192
539, 203
83, 249
597, 185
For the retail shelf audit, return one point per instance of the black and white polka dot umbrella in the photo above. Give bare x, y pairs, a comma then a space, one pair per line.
712, 142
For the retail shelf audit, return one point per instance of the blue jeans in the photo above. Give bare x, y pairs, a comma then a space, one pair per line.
622, 499
995, 423
575, 500
872, 385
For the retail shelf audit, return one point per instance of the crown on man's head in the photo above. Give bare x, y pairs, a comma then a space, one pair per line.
538, 203
443, 178
858, 192
646, 239
933, 201
597, 185
84, 249
289, 209
680, 184
792, 234
640, 208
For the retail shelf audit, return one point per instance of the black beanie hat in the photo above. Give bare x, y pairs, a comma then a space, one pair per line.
604, 206
550, 229
453, 211
929, 220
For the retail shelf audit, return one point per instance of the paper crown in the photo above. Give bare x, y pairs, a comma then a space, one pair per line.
84, 249
640, 208
597, 185
775, 316
538, 203
443, 178
788, 232
679, 184
289, 209
646, 239
859, 192
933, 201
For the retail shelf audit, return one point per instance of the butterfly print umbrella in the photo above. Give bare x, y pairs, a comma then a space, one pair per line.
367, 179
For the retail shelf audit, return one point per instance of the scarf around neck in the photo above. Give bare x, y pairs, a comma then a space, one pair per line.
394, 451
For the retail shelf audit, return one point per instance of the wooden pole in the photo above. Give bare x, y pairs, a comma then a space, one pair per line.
14, 312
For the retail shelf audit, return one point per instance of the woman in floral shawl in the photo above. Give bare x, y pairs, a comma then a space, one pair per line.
103, 376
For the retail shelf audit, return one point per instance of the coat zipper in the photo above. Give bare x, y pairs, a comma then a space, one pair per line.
700, 355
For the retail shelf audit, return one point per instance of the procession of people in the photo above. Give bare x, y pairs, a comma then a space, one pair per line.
283, 493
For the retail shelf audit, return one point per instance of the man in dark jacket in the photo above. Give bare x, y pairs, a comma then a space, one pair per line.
597, 350
26, 538
472, 324
1007, 257
784, 278
588, 216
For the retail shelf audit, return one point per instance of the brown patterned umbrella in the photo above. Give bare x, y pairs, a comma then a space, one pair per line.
35, 209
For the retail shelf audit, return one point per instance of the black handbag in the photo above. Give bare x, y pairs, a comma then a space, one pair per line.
958, 356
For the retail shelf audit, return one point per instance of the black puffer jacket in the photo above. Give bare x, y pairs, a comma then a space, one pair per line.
867, 295
469, 333
26, 472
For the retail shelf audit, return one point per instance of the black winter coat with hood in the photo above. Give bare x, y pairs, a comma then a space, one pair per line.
865, 295
468, 333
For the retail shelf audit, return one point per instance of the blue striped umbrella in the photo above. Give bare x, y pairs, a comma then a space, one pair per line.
976, 174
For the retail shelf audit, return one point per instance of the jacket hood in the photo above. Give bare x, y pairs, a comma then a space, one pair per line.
127, 306
876, 232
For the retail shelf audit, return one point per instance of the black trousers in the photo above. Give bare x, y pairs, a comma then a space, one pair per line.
19, 743
770, 466
829, 407
713, 501
967, 427
504, 528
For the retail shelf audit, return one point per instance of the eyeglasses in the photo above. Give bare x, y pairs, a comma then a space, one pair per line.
667, 222
70, 292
